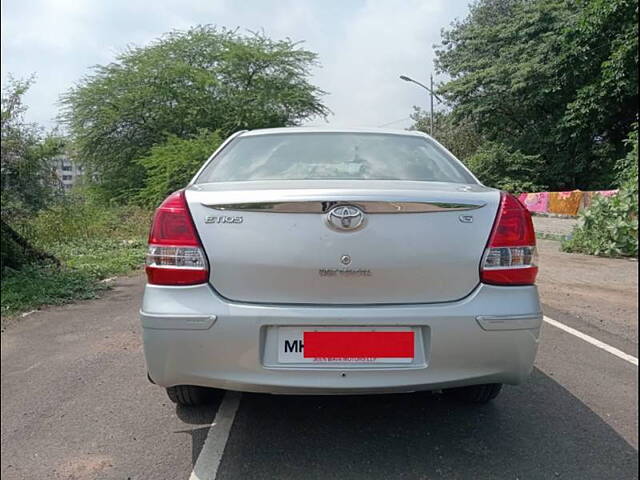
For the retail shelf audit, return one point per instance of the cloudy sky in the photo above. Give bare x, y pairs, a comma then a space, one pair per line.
363, 45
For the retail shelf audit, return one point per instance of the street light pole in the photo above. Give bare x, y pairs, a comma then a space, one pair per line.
431, 96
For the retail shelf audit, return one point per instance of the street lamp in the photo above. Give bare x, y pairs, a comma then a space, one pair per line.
431, 95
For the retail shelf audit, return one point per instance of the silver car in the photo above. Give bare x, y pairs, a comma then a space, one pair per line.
337, 261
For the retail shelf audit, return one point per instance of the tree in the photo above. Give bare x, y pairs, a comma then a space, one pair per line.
553, 78
203, 78
497, 166
26, 173
460, 137
171, 165
627, 167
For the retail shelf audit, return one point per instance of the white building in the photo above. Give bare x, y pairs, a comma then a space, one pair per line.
69, 172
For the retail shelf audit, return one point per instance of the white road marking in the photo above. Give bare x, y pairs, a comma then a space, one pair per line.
593, 341
206, 467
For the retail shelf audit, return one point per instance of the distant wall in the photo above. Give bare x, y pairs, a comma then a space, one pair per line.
561, 203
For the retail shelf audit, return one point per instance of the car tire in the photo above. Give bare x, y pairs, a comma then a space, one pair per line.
189, 395
475, 393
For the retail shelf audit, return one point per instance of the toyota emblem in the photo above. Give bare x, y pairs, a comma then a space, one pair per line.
345, 218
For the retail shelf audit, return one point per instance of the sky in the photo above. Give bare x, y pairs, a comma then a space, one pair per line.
363, 45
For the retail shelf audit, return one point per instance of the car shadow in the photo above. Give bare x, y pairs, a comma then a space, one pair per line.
199, 415
535, 431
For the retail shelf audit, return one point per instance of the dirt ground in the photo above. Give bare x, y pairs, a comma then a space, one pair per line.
601, 291
554, 226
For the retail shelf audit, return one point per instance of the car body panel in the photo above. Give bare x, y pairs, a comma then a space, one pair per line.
234, 352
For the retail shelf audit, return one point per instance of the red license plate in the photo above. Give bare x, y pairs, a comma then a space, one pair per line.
327, 344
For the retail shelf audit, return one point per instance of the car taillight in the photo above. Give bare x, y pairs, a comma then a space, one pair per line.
511, 257
175, 255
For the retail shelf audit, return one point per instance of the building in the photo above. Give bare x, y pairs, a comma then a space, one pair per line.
68, 171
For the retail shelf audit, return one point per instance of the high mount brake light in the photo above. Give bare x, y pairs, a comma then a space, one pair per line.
511, 255
175, 255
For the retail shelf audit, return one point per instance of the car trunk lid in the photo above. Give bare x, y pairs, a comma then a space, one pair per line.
288, 242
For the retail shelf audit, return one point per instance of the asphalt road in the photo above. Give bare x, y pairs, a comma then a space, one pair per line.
76, 403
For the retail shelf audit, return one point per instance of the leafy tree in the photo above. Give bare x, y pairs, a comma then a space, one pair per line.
627, 167
496, 166
459, 136
203, 78
171, 165
555, 78
26, 174
493, 163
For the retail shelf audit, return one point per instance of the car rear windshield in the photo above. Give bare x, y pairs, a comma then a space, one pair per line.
334, 156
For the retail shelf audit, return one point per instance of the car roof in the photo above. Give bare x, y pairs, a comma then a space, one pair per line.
329, 129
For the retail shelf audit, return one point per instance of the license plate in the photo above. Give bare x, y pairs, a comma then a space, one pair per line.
346, 345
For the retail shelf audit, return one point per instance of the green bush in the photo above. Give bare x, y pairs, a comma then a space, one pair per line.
610, 226
496, 166
77, 218
171, 165
91, 241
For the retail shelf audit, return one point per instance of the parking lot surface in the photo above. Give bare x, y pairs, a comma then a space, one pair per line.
76, 403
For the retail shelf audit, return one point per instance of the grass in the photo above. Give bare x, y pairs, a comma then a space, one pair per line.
92, 244
33, 287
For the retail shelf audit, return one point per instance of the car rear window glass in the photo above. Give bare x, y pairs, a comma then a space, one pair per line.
334, 156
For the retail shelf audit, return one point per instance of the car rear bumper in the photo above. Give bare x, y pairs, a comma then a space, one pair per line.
193, 337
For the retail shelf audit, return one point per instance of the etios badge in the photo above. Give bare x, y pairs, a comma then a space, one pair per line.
345, 218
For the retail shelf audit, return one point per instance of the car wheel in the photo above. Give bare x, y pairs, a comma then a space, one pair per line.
475, 393
189, 395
